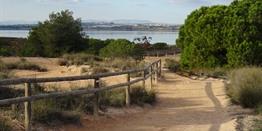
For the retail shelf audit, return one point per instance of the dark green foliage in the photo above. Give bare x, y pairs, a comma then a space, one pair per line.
122, 48
11, 46
95, 45
4, 51
59, 35
222, 35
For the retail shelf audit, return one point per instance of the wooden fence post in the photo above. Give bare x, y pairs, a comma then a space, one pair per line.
27, 107
151, 77
156, 73
160, 67
128, 91
144, 81
96, 97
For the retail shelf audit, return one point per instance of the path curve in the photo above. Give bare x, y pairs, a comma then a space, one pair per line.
183, 105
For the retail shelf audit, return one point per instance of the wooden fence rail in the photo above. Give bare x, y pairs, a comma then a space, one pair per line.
153, 70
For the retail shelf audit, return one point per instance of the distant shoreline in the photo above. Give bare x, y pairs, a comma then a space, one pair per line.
168, 37
105, 27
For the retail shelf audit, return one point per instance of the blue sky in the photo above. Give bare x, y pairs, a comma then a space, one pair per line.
163, 11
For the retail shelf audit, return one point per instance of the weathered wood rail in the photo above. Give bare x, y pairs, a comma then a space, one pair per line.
152, 71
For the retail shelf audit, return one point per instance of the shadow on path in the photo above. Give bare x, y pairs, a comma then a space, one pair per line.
218, 107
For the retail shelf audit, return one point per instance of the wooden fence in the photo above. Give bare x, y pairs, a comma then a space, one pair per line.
152, 71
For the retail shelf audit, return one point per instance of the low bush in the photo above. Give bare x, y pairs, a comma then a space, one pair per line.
78, 59
5, 125
3, 75
258, 125
47, 112
140, 96
115, 98
245, 86
172, 65
259, 109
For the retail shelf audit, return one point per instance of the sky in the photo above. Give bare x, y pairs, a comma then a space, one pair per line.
159, 11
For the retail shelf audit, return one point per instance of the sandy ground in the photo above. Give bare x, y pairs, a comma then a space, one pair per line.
183, 105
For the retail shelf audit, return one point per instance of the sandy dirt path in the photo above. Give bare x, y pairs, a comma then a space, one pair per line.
183, 105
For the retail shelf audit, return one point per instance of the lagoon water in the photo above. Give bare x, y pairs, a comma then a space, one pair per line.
168, 37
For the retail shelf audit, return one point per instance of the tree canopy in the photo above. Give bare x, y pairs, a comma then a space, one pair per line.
56, 36
223, 35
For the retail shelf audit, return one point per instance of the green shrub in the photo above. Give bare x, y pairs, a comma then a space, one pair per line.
140, 96
259, 109
63, 110
4, 52
3, 75
95, 45
245, 86
258, 125
160, 46
115, 98
122, 48
46, 112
